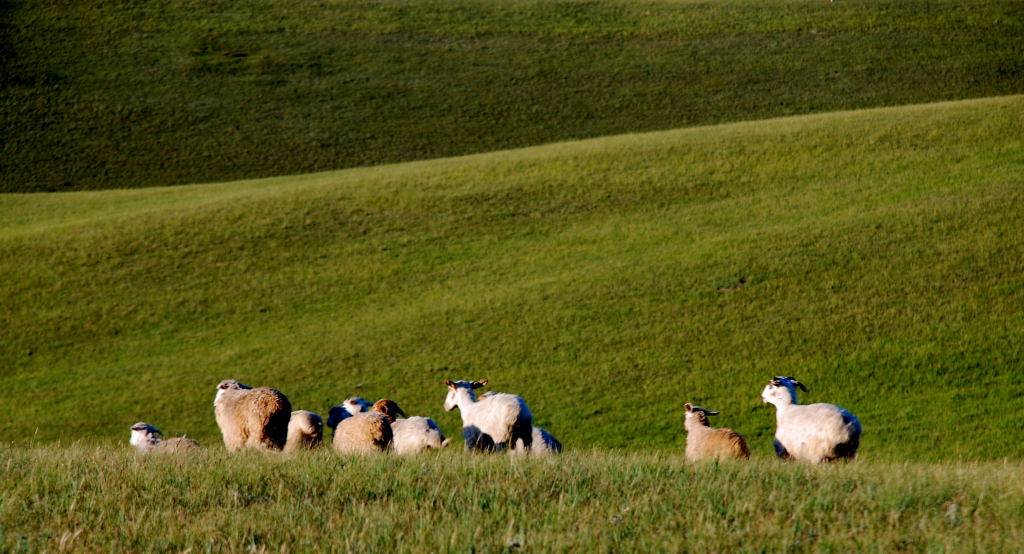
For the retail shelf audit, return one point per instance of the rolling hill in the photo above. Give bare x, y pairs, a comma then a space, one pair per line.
874, 254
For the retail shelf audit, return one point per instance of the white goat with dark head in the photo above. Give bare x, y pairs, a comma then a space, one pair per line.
496, 422
813, 432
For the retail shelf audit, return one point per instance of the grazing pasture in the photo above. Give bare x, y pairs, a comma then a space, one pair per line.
397, 195
875, 255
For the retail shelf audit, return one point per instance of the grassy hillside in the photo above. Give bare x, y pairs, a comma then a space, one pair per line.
101, 94
83, 499
881, 253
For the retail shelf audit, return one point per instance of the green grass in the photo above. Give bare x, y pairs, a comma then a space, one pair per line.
81, 498
882, 253
122, 94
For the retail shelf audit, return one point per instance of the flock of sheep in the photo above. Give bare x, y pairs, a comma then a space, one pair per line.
263, 418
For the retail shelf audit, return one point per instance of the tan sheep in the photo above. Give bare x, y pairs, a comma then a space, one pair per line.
146, 438
254, 418
363, 433
305, 431
706, 443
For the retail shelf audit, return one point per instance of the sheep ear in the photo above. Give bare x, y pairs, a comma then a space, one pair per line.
479, 384
449, 383
688, 406
799, 384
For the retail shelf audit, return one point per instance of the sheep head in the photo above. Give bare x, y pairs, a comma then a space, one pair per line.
228, 385
781, 390
355, 405
143, 427
231, 384
389, 408
451, 400
695, 415
144, 434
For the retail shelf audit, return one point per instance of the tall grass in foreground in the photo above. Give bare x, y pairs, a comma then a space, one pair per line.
82, 498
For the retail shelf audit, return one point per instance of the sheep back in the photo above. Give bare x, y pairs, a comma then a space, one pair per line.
708, 443
817, 433
255, 418
416, 434
177, 444
362, 433
505, 419
305, 431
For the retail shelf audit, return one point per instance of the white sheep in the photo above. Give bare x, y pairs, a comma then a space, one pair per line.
305, 431
411, 434
146, 438
249, 417
706, 443
496, 422
814, 432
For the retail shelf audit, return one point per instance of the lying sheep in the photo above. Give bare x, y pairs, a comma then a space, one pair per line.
498, 421
248, 417
706, 443
305, 431
411, 434
146, 438
814, 432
